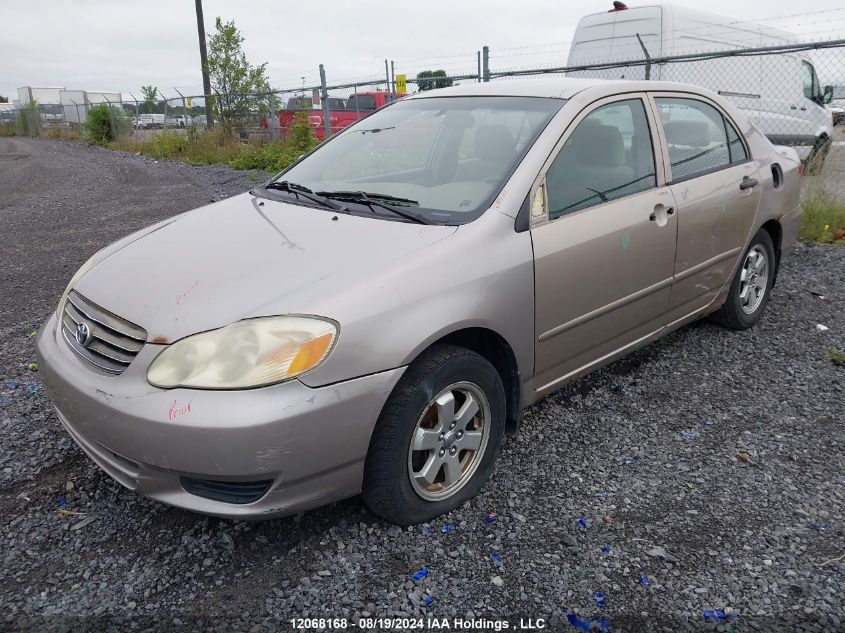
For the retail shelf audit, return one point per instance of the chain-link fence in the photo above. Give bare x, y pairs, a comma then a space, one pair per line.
794, 92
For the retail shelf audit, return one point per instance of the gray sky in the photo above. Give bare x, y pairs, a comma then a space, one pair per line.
119, 45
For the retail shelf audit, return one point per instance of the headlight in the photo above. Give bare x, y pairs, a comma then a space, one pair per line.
250, 353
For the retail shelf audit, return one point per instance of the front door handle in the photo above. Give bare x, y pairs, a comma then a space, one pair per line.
748, 183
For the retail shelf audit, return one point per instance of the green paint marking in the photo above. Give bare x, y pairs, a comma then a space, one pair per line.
626, 241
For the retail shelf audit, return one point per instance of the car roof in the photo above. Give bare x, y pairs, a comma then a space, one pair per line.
556, 87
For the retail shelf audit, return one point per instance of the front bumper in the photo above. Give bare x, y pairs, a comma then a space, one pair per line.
309, 444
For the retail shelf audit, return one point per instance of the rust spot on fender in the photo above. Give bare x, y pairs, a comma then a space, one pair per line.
160, 340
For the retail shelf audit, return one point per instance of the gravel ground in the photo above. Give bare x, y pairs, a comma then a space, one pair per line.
630, 482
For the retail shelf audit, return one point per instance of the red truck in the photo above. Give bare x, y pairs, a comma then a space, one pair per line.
342, 112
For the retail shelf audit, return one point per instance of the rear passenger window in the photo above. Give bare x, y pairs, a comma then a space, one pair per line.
608, 156
695, 134
735, 146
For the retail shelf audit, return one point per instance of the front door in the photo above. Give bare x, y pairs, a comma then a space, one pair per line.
713, 181
603, 229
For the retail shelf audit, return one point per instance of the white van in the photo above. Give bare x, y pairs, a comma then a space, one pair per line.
150, 121
779, 93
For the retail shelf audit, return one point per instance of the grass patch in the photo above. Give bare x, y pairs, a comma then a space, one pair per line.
197, 148
207, 147
836, 357
824, 217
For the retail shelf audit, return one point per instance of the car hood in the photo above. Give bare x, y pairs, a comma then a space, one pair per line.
244, 257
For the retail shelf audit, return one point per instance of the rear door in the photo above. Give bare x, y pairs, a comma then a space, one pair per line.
604, 240
715, 189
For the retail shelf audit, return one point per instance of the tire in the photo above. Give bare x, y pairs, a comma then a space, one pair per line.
743, 308
815, 161
419, 409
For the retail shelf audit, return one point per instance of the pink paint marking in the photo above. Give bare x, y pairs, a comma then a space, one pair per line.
176, 410
187, 292
501, 199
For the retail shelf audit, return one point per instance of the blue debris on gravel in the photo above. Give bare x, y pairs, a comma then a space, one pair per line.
421, 574
596, 623
718, 616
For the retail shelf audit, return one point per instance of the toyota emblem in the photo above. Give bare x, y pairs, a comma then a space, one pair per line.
83, 334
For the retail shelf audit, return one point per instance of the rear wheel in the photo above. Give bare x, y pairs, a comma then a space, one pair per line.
437, 437
815, 161
750, 289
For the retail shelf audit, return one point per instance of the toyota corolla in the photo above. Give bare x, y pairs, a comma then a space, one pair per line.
374, 319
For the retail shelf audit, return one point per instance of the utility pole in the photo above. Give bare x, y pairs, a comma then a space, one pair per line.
206, 82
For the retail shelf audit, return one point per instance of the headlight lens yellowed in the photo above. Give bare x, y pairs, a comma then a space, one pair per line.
246, 354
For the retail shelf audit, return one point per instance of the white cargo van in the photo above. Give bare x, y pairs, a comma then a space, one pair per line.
779, 93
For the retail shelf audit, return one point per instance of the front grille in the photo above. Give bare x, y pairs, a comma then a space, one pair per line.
239, 492
113, 341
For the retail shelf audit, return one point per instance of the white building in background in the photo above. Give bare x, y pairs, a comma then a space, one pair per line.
61, 104
43, 95
75, 103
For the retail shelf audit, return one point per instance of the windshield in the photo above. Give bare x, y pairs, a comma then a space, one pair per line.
449, 155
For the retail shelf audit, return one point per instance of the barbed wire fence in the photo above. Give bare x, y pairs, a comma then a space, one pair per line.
794, 92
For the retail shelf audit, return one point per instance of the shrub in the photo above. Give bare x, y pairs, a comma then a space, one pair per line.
105, 124
276, 155
167, 145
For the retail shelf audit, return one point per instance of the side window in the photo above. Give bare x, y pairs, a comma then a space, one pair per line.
608, 156
735, 146
695, 134
807, 79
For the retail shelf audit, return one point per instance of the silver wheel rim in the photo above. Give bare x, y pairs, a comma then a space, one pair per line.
753, 279
449, 441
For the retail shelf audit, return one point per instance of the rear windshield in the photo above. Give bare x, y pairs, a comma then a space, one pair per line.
451, 155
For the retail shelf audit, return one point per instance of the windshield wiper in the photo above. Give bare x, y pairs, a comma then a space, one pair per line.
378, 200
305, 192
376, 130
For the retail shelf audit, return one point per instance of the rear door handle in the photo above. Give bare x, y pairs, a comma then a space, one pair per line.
748, 183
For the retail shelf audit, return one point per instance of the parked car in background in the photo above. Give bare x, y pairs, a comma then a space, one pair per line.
179, 120
375, 317
781, 94
837, 112
150, 121
342, 112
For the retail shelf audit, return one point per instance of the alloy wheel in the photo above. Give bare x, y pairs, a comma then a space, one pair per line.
449, 441
753, 280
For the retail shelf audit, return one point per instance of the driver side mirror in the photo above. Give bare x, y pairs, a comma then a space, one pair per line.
827, 97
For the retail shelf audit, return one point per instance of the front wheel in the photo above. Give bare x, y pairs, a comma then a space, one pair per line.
751, 286
437, 437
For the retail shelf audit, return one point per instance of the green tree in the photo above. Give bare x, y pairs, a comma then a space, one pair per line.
233, 78
150, 95
4, 99
431, 79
